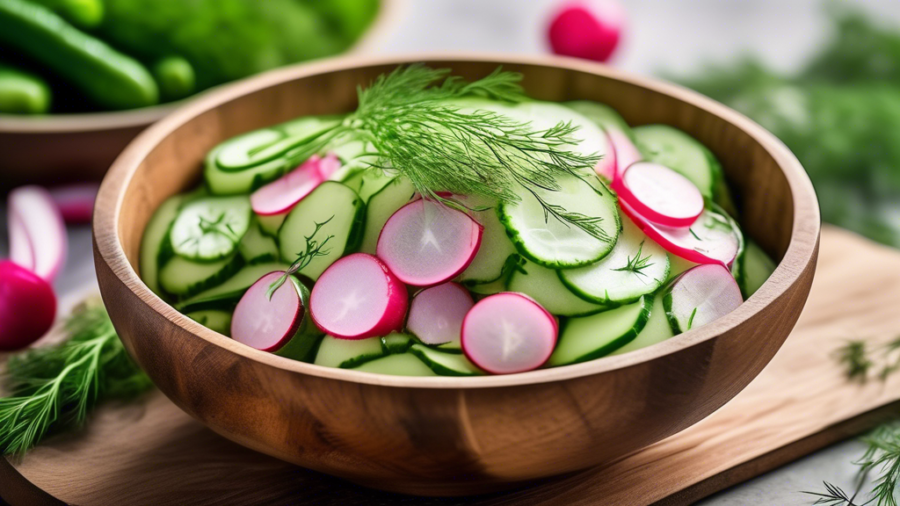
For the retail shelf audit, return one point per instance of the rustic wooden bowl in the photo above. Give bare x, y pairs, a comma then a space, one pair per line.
442, 435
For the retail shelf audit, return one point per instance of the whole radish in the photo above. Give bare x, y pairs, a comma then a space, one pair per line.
27, 306
589, 29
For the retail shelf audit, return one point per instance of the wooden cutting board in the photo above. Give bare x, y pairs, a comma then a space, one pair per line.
151, 453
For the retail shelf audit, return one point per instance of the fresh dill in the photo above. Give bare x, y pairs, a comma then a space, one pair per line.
637, 264
859, 360
691, 230
834, 496
313, 249
691, 319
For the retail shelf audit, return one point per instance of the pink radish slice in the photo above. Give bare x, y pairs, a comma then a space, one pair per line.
328, 166
587, 29
700, 295
508, 333
626, 152
606, 167
27, 306
708, 241
43, 228
660, 194
263, 323
20, 250
436, 314
425, 243
76, 202
284, 193
358, 297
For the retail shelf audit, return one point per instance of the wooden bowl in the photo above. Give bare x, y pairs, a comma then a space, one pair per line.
443, 435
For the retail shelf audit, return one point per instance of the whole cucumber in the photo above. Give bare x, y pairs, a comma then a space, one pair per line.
107, 76
175, 77
83, 13
22, 93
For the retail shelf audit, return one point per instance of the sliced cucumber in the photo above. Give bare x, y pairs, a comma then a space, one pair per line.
335, 203
443, 363
305, 342
488, 288
185, 278
752, 268
682, 153
403, 364
256, 247
347, 353
544, 286
218, 321
209, 229
270, 225
551, 242
495, 250
368, 182
226, 295
591, 337
156, 248
602, 115
637, 266
396, 343
451, 347
677, 265
657, 329
382, 205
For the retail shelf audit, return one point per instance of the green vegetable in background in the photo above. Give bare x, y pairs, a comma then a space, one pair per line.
108, 77
22, 93
175, 77
349, 18
83, 13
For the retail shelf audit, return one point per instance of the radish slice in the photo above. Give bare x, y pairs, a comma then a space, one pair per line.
700, 295
607, 167
358, 297
710, 240
328, 166
508, 333
268, 324
436, 314
626, 152
589, 30
27, 306
20, 250
76, 202
660, 194
43, 228
425, 243
281, 195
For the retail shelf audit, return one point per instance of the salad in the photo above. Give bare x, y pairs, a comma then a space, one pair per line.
454, 228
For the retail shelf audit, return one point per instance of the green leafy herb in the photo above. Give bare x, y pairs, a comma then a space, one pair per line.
833, 496
314, 249
858, 359
691, 230
691, 319
56, 386
637, 264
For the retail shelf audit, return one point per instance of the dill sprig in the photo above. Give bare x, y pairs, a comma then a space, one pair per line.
313, 249
57, 386
858, 359
834, 496
637, 264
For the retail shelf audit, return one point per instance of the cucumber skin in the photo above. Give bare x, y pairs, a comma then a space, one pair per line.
643, 318
305, 342
22, 92
223, 275
610, 304
434, 366
109, 77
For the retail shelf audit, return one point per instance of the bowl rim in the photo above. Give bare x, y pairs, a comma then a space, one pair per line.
800, 252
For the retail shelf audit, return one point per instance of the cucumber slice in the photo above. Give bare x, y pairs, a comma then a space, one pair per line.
491, 288
236, 153
218, 321
557, 244
269, 225
591, 337
156, 248
396, 343
184, 277
602, 115
256, 247
344, 211
404, 364
210, 229
682, 153
752, 268
451, 347
443, 363
305, 343
347, 353
368, 182
495, 250
637, 266
677, 265
657, 329
384, 203
544, 286
226, 295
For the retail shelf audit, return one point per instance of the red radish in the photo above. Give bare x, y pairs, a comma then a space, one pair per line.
436, 314
76, 202
710, 240
508, 333
700, 295
281, 195
268, 324
27, 306
358, 297
626, 152
587, 29
425, 243
43, 228
328, 166
606, 167
660, 194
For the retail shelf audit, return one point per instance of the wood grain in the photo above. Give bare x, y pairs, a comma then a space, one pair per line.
152, 453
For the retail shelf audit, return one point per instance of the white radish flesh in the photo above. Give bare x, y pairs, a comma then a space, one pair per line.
660, 194
358, 297
607, 166
284, 193
425, 243
700, 295
268, 324
20, 250
43, 228
328, 166
626, 152
508, 333
436, 314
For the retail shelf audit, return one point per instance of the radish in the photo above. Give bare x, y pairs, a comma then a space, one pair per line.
700, 295
27, 306
626, 152
436, 314
76, 202
359, 297
425, 243
587, 29
41, 225
20, 250
279, 196
264, 323
508, 333
328, 166
710, 240
607, 167
660, 194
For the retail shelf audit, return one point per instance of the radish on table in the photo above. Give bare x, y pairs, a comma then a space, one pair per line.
76, 201
39, 241
27, 306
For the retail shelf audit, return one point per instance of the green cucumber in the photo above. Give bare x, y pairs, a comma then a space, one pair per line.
83, 13
209, 229
215, 320
602, 115
496, 248
381, 206
396, 343
227, 294
752, 268
306, 341
269, 225
682, 153
257, 247
403, 364
368, 182
175, 77
544, 286
443, 363
156, 248
677, 265
22, 92
184, 278
344, 211
636, 266
348, 353
657, 329
591, 337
